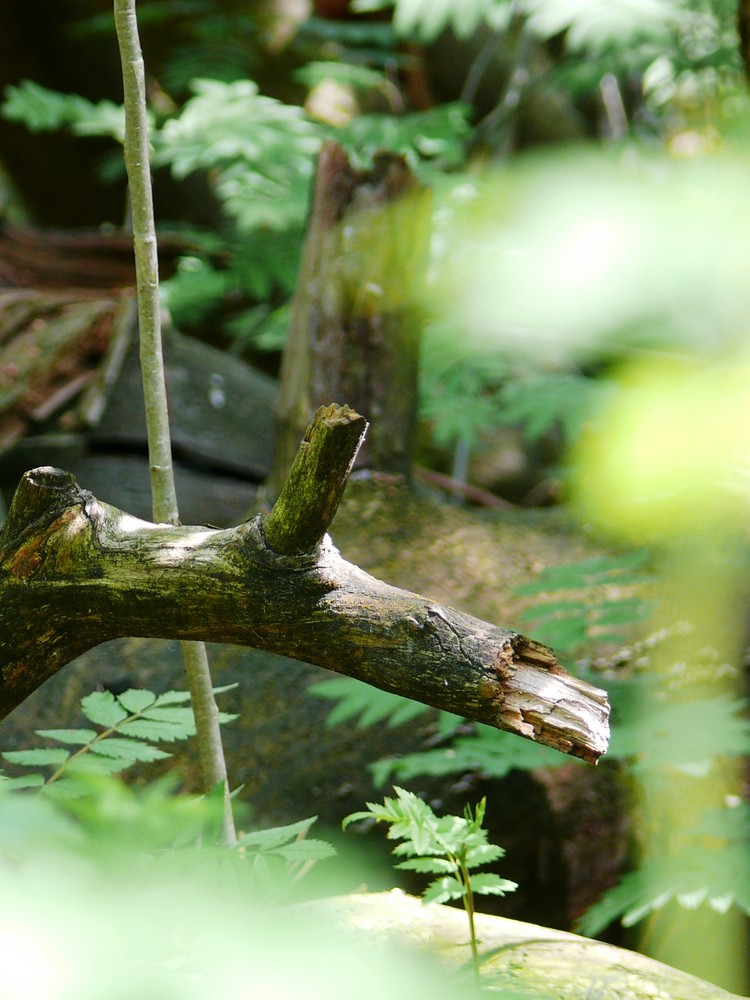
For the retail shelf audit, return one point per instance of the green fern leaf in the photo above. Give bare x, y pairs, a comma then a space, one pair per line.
488, 752
158, 730
593, 24
551, 608
427, 865
77, 737
487, 884
103, 708
128, 750
94, 763
685, 735
302, 851
65, 789
23, 781
177, 697
585, 573
483, 853
718, 878
366, 704
443, 890
269, 840
424, 20
135, 700
41, 109
37, 757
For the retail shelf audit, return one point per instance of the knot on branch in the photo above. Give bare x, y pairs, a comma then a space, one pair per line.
315, 485
42, 493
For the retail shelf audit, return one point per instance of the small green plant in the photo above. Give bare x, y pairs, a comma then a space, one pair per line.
84, 805
130, 724
450, 847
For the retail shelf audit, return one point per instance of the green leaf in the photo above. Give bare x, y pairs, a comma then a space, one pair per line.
65, 788
487, 884
274, 837
171, 698
135, 700
169, 723
488, 751
429, 141
355, 817
592, 572
300, 851
541, 402
128, 750
172, 714
593, 24
444, 889
30, 825
367, 704
157, 730
483, 854
349, 74
33, 758
24, 781
551, 608
426, 19
565, 635
103, 708
428, 866
624, 611
719, 878
259, 151
78, 737
41, 109
95, 763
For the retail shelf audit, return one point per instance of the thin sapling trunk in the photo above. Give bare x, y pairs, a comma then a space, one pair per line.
164, 496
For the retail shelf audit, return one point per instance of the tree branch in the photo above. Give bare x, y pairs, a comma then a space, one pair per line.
308, 501
75, 572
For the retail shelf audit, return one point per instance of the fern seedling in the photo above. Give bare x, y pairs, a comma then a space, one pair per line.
130, 724
450, 847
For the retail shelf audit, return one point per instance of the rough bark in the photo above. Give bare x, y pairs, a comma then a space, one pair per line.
522, 959
75, 572
355, 327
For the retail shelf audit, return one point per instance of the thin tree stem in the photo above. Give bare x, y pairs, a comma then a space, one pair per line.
163, 493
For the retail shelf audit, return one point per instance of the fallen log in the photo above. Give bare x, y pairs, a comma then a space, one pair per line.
516, 959
75, 572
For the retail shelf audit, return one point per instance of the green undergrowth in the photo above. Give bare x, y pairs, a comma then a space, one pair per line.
85, 855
